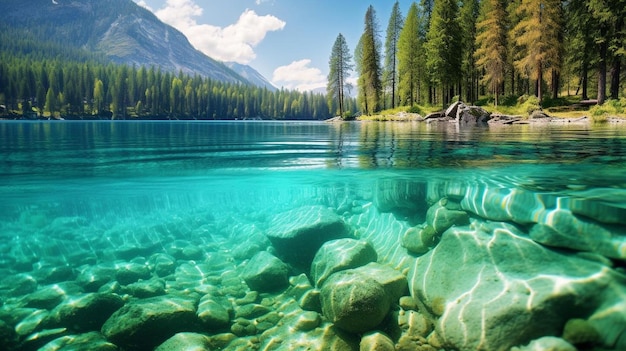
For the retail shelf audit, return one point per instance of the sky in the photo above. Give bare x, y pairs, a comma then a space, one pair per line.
288, 41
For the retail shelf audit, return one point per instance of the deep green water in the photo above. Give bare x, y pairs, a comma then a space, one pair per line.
72, 193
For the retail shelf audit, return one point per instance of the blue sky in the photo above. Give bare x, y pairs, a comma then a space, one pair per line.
288, 41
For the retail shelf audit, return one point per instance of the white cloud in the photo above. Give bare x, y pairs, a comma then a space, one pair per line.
299, 75
234, 42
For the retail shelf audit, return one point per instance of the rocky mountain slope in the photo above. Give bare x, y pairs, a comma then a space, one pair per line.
119, 31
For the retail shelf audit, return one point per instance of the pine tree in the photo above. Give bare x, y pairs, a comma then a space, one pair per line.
340, 66
443, 48
51, 102
538, 36
410, 58
390, 74
491, 41
370, 85
467, 21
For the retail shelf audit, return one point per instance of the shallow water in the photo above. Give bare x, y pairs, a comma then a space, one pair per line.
87, 193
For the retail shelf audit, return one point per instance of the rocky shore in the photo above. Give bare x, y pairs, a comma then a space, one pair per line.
435, 265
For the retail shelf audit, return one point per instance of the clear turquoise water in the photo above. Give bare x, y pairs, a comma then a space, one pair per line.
73, 192
80, 166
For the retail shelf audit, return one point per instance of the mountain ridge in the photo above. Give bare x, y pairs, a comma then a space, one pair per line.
118, 31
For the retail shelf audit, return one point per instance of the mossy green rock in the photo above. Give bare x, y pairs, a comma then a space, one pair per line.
354, 302
440, 218
491, 287
298, 234
420, 239
186, 342
85, 312
265, 272
338, 255
144, 324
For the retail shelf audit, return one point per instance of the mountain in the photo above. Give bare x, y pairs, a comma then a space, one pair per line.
116, 31
251, 75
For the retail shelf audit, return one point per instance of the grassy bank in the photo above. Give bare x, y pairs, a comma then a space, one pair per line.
523, 106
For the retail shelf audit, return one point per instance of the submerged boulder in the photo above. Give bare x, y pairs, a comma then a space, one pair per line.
298, 234
490, 287
338, 255
354, 302
144, 324
265, 272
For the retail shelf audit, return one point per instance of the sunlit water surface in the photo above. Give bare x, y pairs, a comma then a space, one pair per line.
67, 185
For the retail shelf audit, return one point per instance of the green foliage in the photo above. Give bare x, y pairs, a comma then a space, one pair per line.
411, 63
95, 89
390, 71
528, 103
414, 109
610, 108
340, 65
368, 57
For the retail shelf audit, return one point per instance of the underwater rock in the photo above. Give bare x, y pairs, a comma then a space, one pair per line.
440, 218
86, 312
187, 342
55, 274
212, 313
93, 277
298, 286
32, 323
404, 198
161, 264
307, 321
8, 336
420, 239
555, 223
354, 302
546, 343
127, 273
414, 325
265, 272
408, 303
311, 301
51, 295
251, 311
340, 254
491, 287
394, 282
92, 341
146, 288
579, 331
144, 324
37, 340
18, 284
376, 341
298, 234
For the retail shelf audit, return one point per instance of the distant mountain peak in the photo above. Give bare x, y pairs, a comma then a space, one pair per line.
121, 31
252, 75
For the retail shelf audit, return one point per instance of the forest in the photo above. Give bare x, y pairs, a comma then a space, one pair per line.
35, 88
489, 50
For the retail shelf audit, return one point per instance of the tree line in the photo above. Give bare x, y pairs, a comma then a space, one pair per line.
444, 49
58, 87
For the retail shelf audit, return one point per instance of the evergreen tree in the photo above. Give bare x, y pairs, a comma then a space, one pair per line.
369, 83
340, 65
469, 13
538, 37
390, 73
410, 58
443, 48
491, 41
51, 102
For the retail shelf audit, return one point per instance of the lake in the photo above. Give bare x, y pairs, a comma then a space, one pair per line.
495, 237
